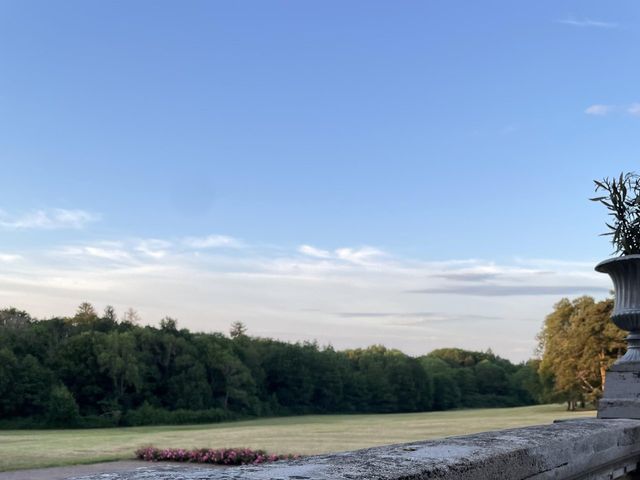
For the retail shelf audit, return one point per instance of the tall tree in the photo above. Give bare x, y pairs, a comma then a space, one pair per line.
14, 318
237, 330
116, 356
8, 396
110, 313
578, 343
85, 314
131, 316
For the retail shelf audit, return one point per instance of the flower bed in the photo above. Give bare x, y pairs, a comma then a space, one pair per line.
222, 456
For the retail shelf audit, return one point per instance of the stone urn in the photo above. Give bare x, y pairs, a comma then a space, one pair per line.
621, 398
625, 274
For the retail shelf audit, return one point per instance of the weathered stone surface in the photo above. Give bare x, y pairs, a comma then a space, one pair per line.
622, 392
580, 449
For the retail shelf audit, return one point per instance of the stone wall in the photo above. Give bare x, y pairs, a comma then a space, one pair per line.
577, 449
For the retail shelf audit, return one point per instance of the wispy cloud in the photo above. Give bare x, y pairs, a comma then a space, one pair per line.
212, 241
103, 251
384, 314
411, 319
360, 255
9, 257
602, 110
587, 23
514, 290
153, 247
634, 109
314, 252
468, 276
446, 318
599, 109
57, 218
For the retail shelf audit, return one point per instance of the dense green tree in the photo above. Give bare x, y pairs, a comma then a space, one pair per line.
116, 357
328, 371
467, 381
62, 409
446, 392
76, 365
457, 357
288, 377
188, 387
490, 378
479, 379
526, 384
169, 324
32, 384
9, 400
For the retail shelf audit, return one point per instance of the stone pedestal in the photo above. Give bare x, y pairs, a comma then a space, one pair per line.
621, 397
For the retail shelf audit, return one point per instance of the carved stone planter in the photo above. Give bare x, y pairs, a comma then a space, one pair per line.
622, 387
625, 274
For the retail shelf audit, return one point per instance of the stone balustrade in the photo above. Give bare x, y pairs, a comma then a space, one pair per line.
592, 449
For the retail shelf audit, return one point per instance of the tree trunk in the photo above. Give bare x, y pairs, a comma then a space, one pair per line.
603, 368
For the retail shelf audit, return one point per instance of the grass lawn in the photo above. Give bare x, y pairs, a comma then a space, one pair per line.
305, 434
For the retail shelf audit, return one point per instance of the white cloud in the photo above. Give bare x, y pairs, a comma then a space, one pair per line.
48, 219
212, 241
359, 255
599, 109
604, 109
9, 257
314, 252
153, 247
634, 109
587, 22
101, 252
107, 253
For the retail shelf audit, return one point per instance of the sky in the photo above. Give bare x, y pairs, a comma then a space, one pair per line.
414, 174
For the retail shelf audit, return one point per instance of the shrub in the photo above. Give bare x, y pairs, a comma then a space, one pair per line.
222, 456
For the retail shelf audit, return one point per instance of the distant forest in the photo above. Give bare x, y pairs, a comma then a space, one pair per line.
94, 370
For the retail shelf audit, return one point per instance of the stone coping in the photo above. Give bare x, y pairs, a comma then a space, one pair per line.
575, 449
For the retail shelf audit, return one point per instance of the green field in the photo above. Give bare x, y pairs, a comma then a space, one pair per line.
305, 434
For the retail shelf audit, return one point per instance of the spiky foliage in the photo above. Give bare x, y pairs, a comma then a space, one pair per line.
622, 199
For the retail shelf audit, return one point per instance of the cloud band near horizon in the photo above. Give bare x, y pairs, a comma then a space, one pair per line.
346, 296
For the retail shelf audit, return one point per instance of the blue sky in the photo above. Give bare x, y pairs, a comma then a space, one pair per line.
307, 167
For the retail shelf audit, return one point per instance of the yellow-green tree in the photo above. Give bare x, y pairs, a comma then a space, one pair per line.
578, 342
85, 315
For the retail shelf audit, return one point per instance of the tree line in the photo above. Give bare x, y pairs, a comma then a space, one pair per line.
94, 369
